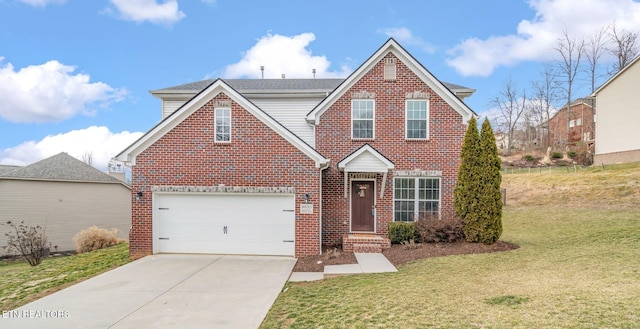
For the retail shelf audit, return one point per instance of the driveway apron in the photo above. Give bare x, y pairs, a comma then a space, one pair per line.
164, 291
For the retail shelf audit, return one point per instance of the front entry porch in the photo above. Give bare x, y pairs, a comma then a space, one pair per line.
365, 177
365, 243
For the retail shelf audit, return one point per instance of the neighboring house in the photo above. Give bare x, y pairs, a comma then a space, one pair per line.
64, 195
581, 124
285, 166
618, 102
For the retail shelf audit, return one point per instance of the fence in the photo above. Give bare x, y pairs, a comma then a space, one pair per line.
542, 170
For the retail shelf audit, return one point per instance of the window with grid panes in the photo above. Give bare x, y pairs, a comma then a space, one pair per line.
415, 197
417, 124
223, 124
362, 118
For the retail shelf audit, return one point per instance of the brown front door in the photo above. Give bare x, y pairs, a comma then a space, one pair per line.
362, 206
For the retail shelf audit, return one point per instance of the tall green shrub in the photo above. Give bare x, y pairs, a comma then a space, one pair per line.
465, 194
477, 198
490, 215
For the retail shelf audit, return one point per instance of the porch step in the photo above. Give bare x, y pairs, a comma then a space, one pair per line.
365, 243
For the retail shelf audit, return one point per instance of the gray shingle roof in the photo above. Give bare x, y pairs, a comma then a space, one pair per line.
5, 169
266, 85
60, 167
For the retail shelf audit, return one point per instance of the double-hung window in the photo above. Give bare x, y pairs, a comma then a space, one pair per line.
362, 118
415, 198
223, 124
417, 117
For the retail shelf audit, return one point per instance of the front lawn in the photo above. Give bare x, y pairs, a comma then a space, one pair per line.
574, 269
21, 283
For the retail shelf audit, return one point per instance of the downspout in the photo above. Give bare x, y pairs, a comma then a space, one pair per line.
320, 204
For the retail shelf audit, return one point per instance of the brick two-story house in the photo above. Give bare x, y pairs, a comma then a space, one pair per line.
285, 166
581, 124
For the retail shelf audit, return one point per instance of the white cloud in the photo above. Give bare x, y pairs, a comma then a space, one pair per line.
50, 92
97, 140
41, 3
534, 39
281, 54
139, 11
405, 36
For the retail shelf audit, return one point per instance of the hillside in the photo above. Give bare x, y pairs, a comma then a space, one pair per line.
611, 187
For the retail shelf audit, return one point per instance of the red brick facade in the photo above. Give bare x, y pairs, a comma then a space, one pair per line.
441, 152
581, 125
257, 156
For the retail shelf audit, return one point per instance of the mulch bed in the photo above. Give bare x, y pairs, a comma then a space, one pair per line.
399, 255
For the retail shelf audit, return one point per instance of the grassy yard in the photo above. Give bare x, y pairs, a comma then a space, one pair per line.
578, 267
21, 283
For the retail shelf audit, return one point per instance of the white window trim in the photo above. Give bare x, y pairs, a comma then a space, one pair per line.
215, 125
373, 134
416, 198
406, 119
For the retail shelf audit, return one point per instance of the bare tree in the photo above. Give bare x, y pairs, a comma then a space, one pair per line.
623, 45
570, 51
545, 94
511, 106
87, 158
594, 49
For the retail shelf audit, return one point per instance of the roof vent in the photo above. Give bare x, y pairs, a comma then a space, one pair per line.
390, 69
283, 75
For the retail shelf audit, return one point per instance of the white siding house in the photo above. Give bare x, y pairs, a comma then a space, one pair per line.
64, 195
618, 117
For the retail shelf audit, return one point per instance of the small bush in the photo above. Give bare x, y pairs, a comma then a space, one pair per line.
402, 231
30, 242
95, 238
556, 155
528, 158
431, 229
571, 154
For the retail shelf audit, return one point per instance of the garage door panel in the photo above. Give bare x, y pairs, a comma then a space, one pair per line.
225, 224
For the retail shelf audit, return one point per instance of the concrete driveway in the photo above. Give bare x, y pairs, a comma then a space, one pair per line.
164, 291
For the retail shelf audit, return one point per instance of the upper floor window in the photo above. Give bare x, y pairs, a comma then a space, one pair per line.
362, 118
223, 124
417, 117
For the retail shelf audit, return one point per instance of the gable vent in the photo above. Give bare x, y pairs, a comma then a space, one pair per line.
389, 69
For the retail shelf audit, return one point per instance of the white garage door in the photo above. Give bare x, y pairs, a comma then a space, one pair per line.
254, 224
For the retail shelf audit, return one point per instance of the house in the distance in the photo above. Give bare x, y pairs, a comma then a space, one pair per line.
285, 166
63, 195
618, 102
581, 125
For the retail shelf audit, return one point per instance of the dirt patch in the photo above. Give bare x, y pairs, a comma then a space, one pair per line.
330, 256
399, 255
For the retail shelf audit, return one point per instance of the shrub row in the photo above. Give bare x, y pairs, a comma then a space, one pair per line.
429, 229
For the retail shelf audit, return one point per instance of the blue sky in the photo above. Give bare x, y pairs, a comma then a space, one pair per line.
75, 75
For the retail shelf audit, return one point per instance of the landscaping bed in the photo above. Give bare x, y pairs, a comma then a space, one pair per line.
399, 254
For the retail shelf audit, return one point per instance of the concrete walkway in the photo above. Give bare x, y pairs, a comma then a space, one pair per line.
367, 263
164, 291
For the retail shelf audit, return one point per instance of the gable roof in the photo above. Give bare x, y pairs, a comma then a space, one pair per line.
60, 167
365, 159
213, 89
615, 76
392, 46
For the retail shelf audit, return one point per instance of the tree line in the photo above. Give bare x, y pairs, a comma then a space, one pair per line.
520, 113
